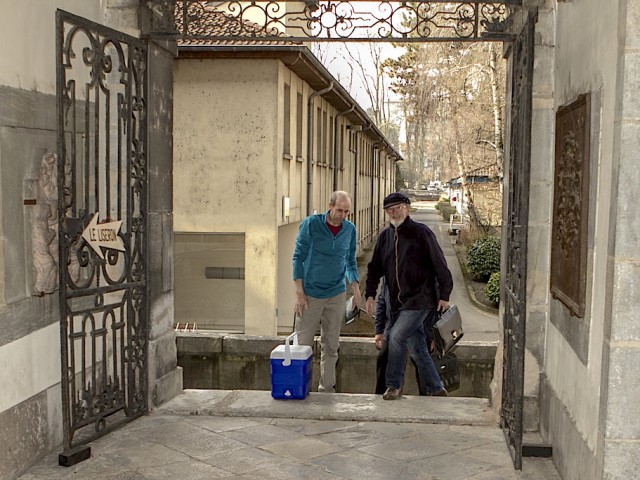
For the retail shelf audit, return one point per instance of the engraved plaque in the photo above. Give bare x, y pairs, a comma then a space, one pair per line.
571, 205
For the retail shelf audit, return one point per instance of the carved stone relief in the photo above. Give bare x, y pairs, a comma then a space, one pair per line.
44, 227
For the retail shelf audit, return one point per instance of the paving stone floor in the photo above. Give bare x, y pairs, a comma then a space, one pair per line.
222, 434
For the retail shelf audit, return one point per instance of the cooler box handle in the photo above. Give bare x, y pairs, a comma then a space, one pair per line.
287, 349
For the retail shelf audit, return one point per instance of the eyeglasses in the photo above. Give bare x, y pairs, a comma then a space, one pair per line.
395, 208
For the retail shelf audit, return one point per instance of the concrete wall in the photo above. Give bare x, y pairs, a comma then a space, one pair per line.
30, 399
286, 292
232, 171
241, 362
226, 119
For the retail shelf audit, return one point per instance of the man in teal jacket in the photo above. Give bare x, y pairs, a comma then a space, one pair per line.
325, 255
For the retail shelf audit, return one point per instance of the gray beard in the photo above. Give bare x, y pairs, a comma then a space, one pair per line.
396, 223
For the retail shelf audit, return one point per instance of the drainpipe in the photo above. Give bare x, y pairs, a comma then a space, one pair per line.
310, 143
379, 190
335, 145
356, 129
374, 149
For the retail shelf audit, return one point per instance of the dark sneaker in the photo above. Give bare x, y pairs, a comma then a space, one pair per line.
440, 393
392, 394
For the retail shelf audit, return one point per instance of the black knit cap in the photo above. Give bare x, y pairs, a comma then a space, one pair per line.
395, 198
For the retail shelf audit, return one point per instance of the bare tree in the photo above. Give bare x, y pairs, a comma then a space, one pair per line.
363, 63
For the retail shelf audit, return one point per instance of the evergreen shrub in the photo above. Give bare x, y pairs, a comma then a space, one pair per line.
483, 258
492, 289
445, 210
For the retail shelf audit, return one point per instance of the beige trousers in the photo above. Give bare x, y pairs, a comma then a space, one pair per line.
329, 313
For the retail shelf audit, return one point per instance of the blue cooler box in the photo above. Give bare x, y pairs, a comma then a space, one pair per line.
291, 370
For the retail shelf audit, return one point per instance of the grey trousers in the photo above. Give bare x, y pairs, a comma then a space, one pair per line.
329, 313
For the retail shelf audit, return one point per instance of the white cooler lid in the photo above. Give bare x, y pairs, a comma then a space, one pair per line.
298, 352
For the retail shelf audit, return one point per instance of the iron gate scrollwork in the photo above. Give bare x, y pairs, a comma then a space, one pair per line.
345, 20
102, 233
515, 291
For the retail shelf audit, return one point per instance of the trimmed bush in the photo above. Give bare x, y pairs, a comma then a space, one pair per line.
492, 289
483, 258
445, 210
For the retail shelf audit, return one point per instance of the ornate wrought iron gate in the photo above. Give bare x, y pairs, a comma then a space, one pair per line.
515, 294
102, 233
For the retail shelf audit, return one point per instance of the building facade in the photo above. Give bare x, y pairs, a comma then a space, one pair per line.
263, 136
582, 336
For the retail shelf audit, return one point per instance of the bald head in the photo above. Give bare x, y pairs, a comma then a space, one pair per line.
339, 207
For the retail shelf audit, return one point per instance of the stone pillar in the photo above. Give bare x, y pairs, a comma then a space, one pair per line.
619, 435
157, 27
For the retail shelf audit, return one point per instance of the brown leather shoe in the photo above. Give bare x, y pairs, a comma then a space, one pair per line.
392, 394
440, 393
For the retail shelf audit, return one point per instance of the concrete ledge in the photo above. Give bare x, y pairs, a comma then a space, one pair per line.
241, 362
199, 343
333, 406
167, 387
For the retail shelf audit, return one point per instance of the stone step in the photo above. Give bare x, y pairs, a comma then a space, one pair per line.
334, 406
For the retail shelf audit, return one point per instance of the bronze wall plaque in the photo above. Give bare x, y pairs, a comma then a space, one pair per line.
571, 205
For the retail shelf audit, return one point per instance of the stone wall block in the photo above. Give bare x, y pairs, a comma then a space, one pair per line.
250, 345
27, 109
540, 203
161, 315
626, 302
160, 172
22, 429
543, 69
543, 74
476, 351
123, 14
355, 346
55, 433
571, 454
620, 460
200, 371
160, 253
627, 228
542, 144
161, 89
623, 406
200, 343
167, 387
631, 92
538, 265
632, 22
536, 328
162, 355
160, 125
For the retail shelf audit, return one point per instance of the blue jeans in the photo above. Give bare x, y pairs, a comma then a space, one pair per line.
408, 332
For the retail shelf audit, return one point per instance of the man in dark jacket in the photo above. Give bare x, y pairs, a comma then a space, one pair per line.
408, 255
382, 323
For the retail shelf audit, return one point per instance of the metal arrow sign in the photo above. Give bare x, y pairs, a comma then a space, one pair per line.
103, 235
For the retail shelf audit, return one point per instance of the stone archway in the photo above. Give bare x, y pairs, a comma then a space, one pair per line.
423, 21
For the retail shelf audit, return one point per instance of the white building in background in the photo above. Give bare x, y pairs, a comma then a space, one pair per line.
263, 136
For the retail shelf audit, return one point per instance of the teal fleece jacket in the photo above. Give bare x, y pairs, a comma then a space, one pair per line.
323, 261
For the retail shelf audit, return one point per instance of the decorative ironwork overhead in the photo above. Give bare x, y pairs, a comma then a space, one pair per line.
353, 20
